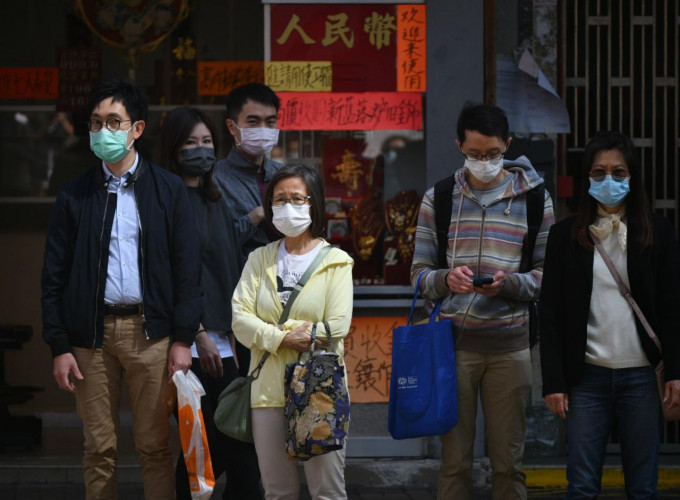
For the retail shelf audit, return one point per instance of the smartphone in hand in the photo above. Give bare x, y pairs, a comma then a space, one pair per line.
482, 280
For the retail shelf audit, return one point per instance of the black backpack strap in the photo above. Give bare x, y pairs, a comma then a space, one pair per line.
535, 205
443, 202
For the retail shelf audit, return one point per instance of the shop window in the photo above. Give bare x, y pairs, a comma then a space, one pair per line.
374, 184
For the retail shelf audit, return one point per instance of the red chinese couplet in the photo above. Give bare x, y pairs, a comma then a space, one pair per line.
351, 111
411, 48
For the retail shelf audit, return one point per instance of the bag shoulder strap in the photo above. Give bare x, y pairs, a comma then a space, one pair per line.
443, 203
293, 295
626, 292
302, 281
327, 327
535, 207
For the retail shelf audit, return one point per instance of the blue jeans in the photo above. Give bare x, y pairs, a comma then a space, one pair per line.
629, 395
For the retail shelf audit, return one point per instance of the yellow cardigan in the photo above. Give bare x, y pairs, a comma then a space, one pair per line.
256, 309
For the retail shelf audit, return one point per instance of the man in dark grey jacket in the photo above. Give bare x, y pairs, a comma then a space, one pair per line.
120, 293
243, 176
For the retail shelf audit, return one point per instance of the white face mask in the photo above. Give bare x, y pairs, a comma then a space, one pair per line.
257, 141
291, 220
484, 171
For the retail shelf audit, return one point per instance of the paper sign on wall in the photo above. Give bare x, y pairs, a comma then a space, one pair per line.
299, 76
368, 358
80, 68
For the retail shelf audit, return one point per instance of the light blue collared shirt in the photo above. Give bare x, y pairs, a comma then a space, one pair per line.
123, 281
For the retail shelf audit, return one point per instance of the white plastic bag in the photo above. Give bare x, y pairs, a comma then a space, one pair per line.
193, 436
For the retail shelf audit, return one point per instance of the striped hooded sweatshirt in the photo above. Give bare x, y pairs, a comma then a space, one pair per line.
487, 239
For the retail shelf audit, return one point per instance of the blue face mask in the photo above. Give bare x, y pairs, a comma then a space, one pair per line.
608, 191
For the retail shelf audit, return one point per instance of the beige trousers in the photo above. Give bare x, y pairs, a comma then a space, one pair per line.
325, 474
504, 382
142, 364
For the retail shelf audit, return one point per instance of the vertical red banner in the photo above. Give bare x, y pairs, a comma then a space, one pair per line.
411, 48
29, 83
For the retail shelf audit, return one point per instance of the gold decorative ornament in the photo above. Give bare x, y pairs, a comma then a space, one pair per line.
367, 226
401, 217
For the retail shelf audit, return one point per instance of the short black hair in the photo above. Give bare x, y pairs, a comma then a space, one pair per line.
486, 119
257, 92
132, 97
315, 190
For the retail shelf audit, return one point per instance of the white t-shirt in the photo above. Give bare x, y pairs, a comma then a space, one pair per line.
487, 196
613, 341
290, 268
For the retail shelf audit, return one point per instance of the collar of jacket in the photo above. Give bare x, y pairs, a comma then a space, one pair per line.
142, 167
237, 160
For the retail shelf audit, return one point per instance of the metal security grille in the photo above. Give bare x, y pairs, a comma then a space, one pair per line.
620, 64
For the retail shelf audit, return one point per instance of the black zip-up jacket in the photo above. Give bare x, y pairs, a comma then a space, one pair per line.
77, 252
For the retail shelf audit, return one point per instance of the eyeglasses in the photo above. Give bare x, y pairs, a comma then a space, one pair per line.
295, 200
619, 174
488, 156
112, 124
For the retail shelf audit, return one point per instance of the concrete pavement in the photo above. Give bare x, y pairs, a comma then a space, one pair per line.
53, 471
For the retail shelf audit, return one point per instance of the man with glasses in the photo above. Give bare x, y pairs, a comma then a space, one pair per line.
485, 290
120, 293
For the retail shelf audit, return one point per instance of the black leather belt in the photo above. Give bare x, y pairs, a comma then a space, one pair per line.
122, 309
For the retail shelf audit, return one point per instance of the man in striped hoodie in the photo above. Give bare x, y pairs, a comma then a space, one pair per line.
488, 225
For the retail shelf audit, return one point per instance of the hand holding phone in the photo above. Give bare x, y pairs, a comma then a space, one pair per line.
482, 280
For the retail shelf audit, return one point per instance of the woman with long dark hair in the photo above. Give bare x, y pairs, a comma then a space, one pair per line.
187, 149
597, 359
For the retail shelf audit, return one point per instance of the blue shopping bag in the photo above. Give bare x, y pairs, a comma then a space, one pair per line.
423, 396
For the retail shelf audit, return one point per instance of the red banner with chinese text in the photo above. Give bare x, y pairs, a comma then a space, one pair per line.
220, 77
29, 83
351, 111
359, 40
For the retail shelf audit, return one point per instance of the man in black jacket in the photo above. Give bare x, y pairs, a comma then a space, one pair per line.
120, 294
